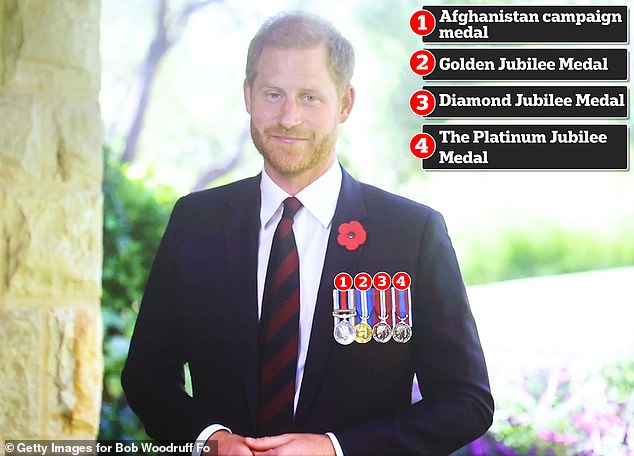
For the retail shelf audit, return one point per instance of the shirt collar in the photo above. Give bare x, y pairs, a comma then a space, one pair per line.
319, 198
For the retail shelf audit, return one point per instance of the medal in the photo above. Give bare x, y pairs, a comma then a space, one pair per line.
362, 331
402, 331
382, 332
343, 331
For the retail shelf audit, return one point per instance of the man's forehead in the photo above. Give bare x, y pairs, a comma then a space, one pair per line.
316, 49
309, 63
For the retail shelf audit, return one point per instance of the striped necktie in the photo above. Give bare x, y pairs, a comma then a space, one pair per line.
279, 328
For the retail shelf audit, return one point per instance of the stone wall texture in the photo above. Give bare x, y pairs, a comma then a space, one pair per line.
51, 362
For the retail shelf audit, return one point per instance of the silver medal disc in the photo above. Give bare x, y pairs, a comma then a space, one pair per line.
381, 332
402, 332
344, 332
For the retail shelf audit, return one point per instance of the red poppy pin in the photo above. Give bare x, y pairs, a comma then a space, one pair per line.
351, 235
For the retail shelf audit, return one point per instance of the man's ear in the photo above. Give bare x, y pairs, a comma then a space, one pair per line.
247, 95
347, 102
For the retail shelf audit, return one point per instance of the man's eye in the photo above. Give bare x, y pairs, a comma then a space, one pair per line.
273, 95
310, 98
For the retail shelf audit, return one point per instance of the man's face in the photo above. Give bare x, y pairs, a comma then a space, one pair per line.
295, 110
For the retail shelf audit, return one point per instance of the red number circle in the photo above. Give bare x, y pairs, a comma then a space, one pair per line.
381, 281
343, 281
422, 22
422, 62
362, 281
422, 145
401, 280
422, 102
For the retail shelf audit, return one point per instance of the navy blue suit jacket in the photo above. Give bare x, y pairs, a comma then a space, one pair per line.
200, 307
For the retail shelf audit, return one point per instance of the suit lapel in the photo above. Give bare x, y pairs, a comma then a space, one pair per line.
241, 238
350, 206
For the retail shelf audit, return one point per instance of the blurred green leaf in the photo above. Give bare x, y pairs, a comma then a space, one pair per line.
136, 211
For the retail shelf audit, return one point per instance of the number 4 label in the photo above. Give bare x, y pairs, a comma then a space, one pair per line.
401, 280
422, 145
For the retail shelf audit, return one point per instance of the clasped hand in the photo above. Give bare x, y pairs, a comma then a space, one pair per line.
279, 445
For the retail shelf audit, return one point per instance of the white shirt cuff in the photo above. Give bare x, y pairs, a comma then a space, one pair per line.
335, 443
205, 434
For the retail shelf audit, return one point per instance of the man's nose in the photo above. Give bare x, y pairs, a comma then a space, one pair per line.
290, 114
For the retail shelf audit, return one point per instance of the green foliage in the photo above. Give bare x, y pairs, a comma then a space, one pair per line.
620, 377
545, 250
136, 212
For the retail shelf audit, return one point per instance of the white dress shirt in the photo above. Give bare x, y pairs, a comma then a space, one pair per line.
311, 227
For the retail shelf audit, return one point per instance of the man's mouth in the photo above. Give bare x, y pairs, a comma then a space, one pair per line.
288, 139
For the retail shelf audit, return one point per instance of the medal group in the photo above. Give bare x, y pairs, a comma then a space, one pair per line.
364, 312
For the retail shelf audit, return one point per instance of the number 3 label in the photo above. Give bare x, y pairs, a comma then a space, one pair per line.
381, 281
422, 102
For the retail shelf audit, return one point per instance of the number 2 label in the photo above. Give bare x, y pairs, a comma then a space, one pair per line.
362, 281
422, 62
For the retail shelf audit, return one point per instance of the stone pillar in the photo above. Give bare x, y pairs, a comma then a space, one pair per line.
51, 362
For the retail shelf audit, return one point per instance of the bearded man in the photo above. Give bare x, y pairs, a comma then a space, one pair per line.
303, 301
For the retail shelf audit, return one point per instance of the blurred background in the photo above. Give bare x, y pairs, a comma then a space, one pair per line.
548, 257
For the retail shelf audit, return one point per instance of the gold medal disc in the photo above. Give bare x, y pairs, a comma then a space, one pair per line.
362, 333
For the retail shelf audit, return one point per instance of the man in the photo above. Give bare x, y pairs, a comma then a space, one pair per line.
220, 294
